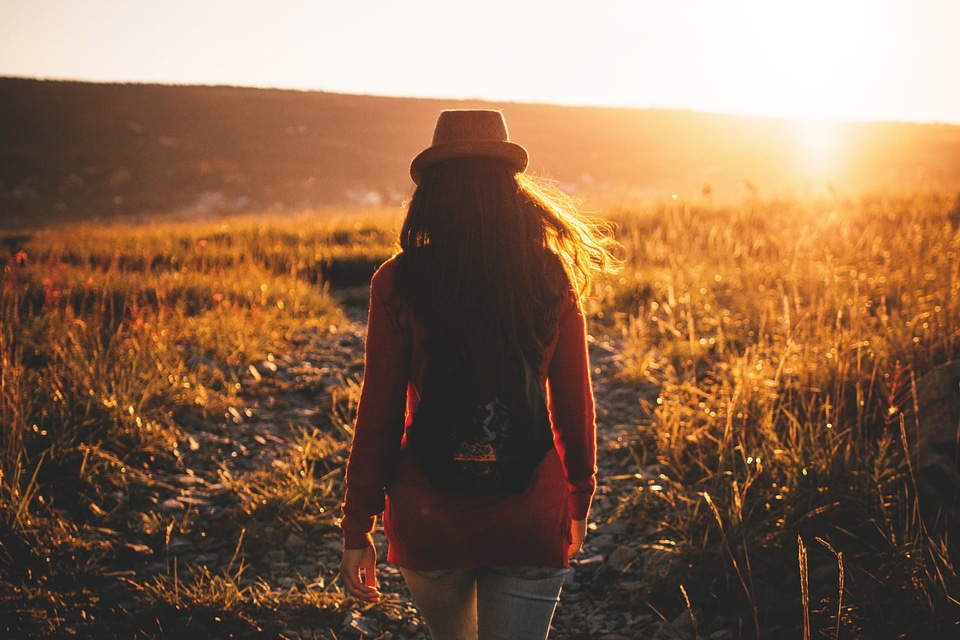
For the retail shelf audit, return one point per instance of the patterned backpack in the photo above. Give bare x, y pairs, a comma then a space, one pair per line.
482, 421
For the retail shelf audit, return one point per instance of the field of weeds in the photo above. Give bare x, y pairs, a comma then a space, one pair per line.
177, 402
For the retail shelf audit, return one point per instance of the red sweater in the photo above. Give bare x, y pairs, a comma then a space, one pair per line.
431, 529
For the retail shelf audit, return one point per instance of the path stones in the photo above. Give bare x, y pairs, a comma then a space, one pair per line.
621, 558
294, 542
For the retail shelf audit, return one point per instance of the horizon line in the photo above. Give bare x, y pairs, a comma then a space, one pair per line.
618, 107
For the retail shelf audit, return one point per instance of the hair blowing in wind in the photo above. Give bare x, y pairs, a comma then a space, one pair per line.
482, 242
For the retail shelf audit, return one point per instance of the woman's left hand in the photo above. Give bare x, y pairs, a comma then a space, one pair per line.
358, 569
578, 533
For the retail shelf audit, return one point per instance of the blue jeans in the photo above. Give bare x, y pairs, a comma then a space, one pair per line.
498, 603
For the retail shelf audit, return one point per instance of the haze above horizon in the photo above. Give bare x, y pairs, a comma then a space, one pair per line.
891, 60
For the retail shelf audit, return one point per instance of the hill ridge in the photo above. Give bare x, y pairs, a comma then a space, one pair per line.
74, 150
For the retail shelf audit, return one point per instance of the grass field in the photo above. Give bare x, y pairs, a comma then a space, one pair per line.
786, 340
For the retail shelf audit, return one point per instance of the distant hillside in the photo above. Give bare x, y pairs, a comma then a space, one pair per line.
71, 150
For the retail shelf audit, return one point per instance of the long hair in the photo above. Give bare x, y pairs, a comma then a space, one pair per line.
483, 245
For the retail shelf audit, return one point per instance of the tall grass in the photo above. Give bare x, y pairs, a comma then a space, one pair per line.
786, 340
781, 335
110, 339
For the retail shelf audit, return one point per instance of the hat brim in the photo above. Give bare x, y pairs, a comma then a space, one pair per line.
510, 152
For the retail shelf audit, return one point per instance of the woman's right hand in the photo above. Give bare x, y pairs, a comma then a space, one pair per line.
358, 569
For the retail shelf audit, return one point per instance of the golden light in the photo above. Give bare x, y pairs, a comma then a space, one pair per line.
814, 59
821, 146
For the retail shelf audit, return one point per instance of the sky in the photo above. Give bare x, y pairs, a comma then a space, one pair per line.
858, 60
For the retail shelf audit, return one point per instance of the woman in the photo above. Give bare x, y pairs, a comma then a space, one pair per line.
482, 245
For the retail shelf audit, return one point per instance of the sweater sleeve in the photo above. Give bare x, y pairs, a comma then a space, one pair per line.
572, 409
380, 414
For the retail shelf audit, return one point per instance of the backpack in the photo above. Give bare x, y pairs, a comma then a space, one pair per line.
482, 421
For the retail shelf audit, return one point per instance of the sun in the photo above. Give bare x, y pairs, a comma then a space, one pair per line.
821, 147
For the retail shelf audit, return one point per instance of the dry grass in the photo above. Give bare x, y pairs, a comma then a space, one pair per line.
782, 337
110, 339
780, 334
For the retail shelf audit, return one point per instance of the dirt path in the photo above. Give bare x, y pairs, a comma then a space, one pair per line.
291, 391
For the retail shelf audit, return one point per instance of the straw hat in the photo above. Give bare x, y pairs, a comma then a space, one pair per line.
469, 133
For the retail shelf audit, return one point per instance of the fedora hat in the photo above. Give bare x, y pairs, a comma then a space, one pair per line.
469, 133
